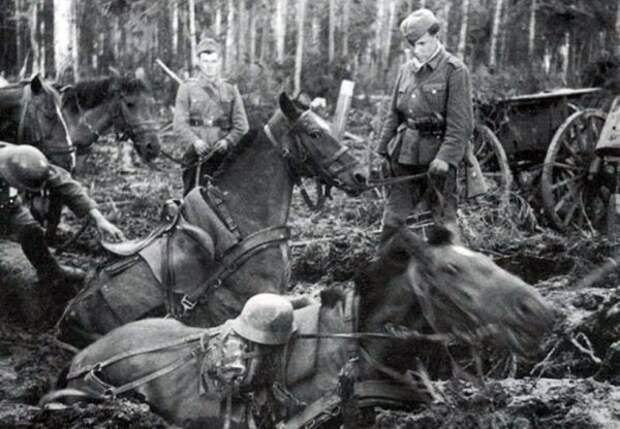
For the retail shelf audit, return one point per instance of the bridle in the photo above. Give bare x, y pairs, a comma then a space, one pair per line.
297, 153
125, 127
35, 111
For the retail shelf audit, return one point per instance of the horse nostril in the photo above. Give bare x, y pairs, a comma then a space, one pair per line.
359, 177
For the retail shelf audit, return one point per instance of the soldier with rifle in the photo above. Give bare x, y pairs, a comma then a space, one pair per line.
427, 127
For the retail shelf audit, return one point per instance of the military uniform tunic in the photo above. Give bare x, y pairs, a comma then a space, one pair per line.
441, 86
14, 215
210, 111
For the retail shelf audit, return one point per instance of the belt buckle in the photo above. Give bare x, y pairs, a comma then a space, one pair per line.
187, 304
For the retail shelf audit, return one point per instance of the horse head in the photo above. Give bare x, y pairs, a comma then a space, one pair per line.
137, 116
125, 103
313, 149
41, 123
449, 290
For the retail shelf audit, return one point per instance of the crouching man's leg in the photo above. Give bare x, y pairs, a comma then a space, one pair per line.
32, 239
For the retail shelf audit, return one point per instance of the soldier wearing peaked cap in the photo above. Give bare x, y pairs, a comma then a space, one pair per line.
427, 127
209, 115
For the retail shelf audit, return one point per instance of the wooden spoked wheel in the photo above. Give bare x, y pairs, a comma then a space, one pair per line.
571, 198
493, 162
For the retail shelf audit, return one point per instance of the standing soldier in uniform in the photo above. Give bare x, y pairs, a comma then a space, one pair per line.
25, 168
209, 116
427, 127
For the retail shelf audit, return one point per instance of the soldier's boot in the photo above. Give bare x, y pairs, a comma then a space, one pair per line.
49, 271
386, 233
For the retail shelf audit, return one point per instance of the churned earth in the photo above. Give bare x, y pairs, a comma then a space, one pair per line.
572, 383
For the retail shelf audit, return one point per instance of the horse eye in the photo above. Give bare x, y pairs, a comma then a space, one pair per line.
315, 134
131, 104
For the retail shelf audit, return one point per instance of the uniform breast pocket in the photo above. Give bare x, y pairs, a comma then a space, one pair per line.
436, 94
196, 107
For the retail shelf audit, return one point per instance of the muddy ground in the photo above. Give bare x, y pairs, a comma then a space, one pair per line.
572, 383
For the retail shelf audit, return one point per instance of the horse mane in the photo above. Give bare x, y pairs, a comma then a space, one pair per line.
249, 139
93, 92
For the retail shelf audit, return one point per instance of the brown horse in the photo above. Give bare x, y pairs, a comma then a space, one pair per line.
92, 107
30, 114
414, 294
229, 241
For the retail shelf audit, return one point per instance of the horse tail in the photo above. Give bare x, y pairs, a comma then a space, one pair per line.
67, 396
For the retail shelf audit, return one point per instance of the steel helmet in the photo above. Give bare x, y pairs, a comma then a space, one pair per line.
266, 318
24, 167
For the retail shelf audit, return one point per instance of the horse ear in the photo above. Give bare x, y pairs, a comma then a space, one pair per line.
288, 108
36, 84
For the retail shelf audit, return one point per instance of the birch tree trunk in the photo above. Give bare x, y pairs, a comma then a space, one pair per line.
174, 26
18, 32
253, 18
618, 30
230, 35
388, 37
192, 31
377, 64
315, 30
565, 54
279, 28
34, 26
497, 16
264, 35
75, 47
43, 51
346, 18
217, 25
242, 31
331, 47
532, 33
63, 12
301, 18
445, 15
463, 33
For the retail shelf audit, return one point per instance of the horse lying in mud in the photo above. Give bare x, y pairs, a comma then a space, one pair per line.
413, 294
226, 242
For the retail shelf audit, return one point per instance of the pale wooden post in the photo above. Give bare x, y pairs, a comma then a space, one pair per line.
342, 108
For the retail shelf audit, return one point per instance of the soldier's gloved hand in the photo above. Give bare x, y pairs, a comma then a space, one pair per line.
105, 227
438, 167
201, 147
221, 146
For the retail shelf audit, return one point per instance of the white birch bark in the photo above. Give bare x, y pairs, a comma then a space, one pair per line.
301, 18
75, 52
391, 22
192, 31
217, 25
253, 18
174, 26
279, 28
34, 27
230, 35
618, 30
463, 33
532, 29
497, 16
331, 43
346, 19
63, 12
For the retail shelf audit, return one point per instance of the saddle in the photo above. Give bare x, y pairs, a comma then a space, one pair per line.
302, 354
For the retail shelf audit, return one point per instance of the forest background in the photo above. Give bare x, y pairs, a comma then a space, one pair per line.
511, 46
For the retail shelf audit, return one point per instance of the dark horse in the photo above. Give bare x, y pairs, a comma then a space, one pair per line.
94, 106
91, 108
414, 294
30, 113
229, 240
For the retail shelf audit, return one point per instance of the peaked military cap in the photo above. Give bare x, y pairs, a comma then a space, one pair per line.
417, 24
207, 45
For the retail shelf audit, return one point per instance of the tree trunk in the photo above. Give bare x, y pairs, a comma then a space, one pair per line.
346, 18
565, 54
279, 28
463, 33
230, 35
532, 33
242, 30
331, 45
379, 33
217, 25
497, 16
315, 28
445, 25
388, 37
43, 35
18, 33
34, 44
618, 30
264, 34
75, 46
63, 12
253, 19
192, 31
174, 27
301, 18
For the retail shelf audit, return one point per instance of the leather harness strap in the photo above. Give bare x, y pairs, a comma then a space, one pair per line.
215, 200
234, 258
